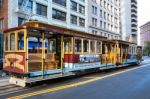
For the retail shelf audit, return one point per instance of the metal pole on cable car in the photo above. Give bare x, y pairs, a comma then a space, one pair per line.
43, 53
62, 54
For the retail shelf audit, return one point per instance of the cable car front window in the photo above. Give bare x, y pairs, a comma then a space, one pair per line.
6, 42
12, 41
20, 40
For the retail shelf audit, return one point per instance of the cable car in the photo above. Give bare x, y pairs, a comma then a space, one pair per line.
38, 51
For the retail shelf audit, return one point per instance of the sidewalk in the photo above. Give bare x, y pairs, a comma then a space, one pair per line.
4, 79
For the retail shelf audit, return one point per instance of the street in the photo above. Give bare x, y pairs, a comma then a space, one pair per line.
128, 83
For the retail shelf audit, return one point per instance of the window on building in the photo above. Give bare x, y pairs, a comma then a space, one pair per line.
82, 0
104, 15
115, 20
60, 2
20, 40
108, 6
108, 17
74, 19
81, 22
1, 3
85, 45
104, 25
41, 9
101, 24
21, 2
30, 6
21, 20
94, 22
111, 27
94, 10
59, 15
81, 9
73, 6
78, 46
12, 41
94, 1
1, 23
27, 4
104, 4
101, 1
101, 13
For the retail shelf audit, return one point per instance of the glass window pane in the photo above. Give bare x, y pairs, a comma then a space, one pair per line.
6, 42
61, 2
20, 40
52, 46
92, 46
78, 45
12, 41
59, 15
85, 46
98, 47
41, 9
67, 45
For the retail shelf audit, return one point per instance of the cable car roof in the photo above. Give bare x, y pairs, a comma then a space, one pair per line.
56, 30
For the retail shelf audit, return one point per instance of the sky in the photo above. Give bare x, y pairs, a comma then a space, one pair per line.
143, 11
143, 14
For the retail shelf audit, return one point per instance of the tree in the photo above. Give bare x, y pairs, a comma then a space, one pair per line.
146, 50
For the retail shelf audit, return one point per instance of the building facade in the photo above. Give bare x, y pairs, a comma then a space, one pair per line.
144, 34
3, 22
65, 13
104, 18
129, 20
3, 15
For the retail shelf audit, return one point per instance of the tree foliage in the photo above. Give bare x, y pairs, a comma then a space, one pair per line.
146, 50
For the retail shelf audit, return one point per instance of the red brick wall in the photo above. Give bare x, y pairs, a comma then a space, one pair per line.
4, 14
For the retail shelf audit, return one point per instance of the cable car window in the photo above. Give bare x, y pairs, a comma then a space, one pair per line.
6, 42
12, 41
52, 46
98, 44
20, 40
67, 45
86, 46
92, 46
77, 45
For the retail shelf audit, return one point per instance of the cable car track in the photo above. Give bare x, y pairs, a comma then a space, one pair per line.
7, 89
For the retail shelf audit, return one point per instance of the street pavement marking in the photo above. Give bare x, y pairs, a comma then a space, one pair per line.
72, 85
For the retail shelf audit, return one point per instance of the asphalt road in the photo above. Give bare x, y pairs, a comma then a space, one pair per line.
132, 84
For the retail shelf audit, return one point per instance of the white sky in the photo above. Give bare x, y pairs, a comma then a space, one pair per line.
143, 13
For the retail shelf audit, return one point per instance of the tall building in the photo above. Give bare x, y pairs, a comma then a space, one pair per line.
104, 18
66, 13
101, 17
129, 20
3, 15
3, 22
145, 33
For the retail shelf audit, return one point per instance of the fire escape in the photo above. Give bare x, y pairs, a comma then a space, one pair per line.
25, 9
